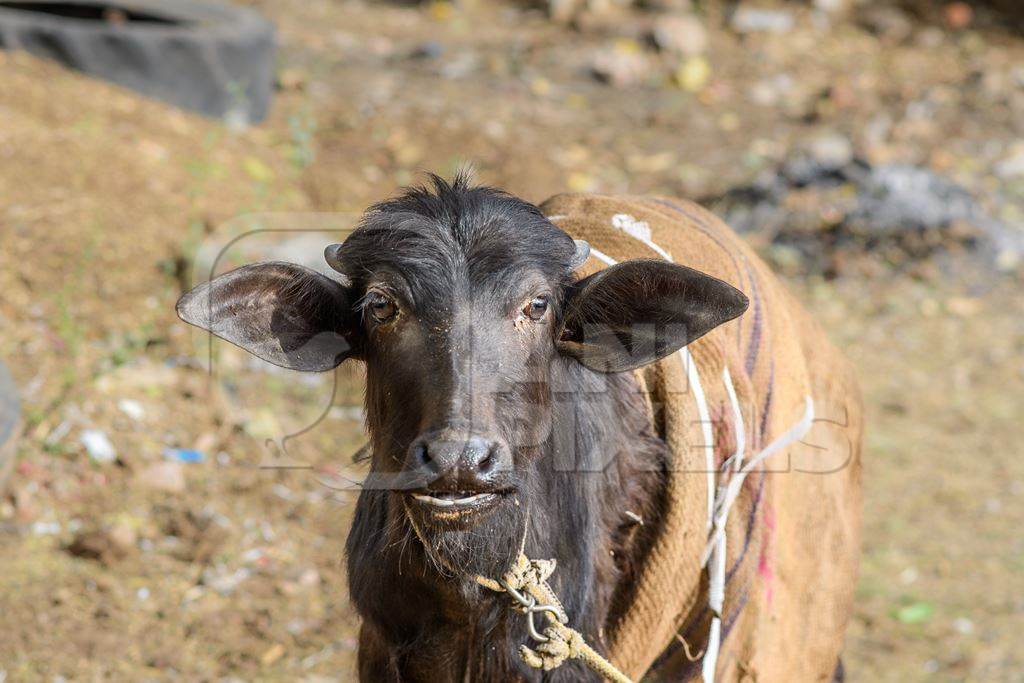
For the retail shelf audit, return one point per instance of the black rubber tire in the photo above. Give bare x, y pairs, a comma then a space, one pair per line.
208, 57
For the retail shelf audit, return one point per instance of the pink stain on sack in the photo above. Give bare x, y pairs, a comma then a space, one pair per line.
764, 568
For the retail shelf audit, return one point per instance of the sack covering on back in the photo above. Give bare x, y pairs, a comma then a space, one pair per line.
792, 535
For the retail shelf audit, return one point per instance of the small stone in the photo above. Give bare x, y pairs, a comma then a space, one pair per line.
1007, 260
442, 11
309, 578
693, 74
963, 307
98, 445
622, 66
45, 528
753, 20
887, 22
958, 15
273, 653
131, 408
963, 626
257, 170
832, 6
931, 37
908, 576
123, 536
431, 49
769, 92
580, 182
163, 476
1012, 165
223, 581
831, 150
683, 35
541, 87
460, 66
562, 11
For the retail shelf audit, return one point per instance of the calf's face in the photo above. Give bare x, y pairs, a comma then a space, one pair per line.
463, 305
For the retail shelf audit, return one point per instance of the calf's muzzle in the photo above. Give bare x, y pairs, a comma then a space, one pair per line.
450, 462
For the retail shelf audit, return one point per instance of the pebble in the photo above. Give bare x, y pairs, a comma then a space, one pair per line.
98, 445
460, 66
958, 15
163, 476
831, 150
771, 91
693, 74
274, 653
431, 49
963, 626
131, 408
831, 6
621, 66
753, 20
122, 535
222, 581
963, 307
683, 35
46, 528
887, 22
1012, 165
581, 182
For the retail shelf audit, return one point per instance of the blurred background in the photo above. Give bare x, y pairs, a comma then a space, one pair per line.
158, 521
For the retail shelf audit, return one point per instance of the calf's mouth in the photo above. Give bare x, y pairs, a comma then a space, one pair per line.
446, 506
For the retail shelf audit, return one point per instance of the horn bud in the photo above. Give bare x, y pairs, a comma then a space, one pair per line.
581, 255
332, 254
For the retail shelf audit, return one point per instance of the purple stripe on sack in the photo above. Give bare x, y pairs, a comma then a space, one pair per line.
756, 502
751, 520
702, 226
767, 402
730, 621
755, 332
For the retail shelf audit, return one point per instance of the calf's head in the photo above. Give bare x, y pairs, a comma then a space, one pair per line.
463, 304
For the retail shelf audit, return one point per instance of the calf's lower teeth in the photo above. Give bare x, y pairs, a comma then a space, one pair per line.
448, 502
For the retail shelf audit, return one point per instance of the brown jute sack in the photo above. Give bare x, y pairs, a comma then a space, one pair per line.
793, 533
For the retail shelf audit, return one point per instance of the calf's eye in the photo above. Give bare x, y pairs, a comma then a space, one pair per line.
381, 308
536, 308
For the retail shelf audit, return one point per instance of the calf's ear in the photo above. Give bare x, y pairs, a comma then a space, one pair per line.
637, 312
283, 313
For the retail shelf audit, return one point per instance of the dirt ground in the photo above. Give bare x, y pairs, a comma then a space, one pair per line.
149, 566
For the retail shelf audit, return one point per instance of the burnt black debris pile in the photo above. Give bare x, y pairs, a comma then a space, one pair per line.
812, 215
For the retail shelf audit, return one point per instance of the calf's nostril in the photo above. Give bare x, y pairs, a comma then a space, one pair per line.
486, 464
421, 454
491, 460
